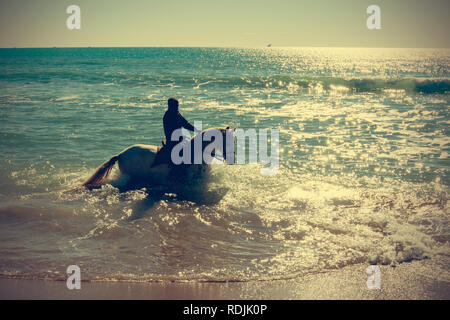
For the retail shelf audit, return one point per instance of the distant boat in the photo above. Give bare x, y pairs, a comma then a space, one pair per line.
269, 45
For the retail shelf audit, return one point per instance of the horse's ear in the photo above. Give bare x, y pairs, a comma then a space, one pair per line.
227, 128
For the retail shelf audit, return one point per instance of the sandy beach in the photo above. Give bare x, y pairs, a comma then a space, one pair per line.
415, 280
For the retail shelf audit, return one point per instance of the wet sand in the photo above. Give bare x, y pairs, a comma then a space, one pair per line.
426, 279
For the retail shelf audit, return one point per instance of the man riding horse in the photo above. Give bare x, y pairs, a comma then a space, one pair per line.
147, 162
172, 121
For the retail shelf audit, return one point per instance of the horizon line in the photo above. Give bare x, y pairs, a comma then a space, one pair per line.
218, 47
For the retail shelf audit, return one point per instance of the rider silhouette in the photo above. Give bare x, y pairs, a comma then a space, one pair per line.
172, 121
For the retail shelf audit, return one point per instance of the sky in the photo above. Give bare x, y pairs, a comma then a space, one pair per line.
225, 23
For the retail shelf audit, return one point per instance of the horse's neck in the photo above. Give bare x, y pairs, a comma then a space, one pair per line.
204, 143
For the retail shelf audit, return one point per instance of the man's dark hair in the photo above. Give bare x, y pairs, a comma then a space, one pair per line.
173, 103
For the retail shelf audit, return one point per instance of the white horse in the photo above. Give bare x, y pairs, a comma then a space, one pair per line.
137, 163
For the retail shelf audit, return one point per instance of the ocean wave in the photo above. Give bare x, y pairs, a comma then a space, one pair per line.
318, 225
425, 86
192, 81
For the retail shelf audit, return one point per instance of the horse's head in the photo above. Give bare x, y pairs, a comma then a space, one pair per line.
228, 151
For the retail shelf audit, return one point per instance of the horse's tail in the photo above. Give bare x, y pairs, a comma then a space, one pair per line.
101, 173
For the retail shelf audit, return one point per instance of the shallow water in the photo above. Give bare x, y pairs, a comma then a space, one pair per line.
363, 178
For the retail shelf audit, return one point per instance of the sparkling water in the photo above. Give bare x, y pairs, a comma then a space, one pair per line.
363, 177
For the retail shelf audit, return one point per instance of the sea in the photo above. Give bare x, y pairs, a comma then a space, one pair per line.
363, 177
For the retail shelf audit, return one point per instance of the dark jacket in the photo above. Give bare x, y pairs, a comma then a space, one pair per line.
172, 121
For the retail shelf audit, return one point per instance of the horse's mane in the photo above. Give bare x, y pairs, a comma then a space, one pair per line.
209, 129
202, 132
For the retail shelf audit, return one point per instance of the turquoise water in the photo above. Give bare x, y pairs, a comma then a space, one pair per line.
363, 178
